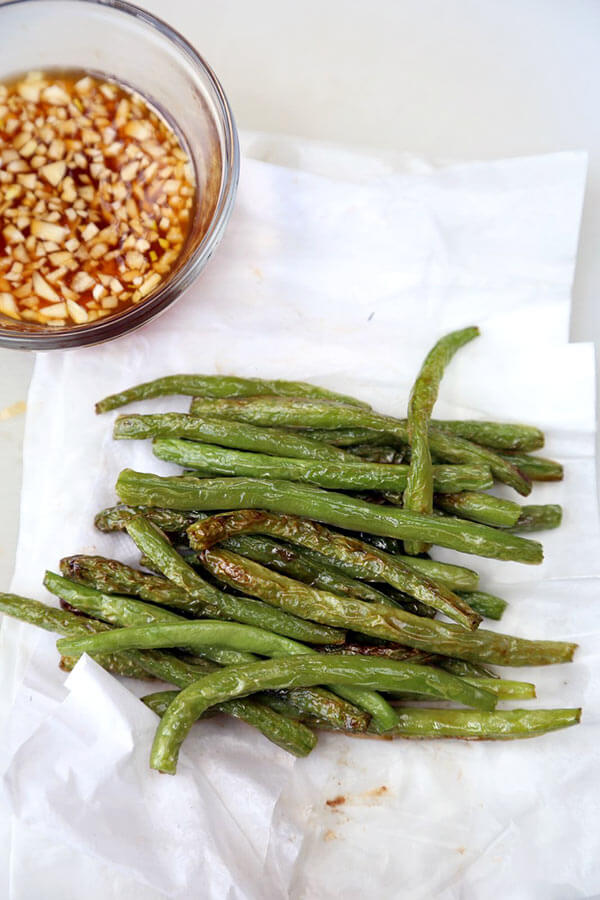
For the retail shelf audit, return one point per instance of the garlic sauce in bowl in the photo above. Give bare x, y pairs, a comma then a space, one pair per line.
119, 163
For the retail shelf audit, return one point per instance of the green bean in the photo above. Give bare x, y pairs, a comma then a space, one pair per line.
211, 460
233, 637
166, 633
299, 564
457, 578
112, 576
283, 702
49, 618
538, 518
219, 386
113, 518
281, 729
150, 540
376, 620
348, 437
296, 563
387, 650
301, 671
418, 494
64, 622
461, 667
226, 433
128, 612
125, 611
299, 701
485, 604
282, 411
478, 507
536, 468
504, 690
187, 493
496, 435
170, 520
288, 560
376, 454
292, 736
481, 725
365, 562
502, 436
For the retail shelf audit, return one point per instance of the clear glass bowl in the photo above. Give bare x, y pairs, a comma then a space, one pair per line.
138, 50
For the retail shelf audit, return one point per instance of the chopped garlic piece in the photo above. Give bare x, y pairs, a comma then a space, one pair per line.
8, 305
43, 289
48, 231
57, 311
78, 313
54, 172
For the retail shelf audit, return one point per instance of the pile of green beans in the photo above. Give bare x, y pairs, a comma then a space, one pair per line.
290, 584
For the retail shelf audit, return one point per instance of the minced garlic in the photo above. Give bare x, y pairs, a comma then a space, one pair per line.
96, 196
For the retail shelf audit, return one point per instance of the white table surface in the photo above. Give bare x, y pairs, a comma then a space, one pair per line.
466, 79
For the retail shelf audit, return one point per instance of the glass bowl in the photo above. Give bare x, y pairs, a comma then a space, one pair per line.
133, 47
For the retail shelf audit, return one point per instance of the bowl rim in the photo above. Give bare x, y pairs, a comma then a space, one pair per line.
133, 318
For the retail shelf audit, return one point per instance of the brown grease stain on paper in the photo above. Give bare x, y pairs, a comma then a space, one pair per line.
374, 794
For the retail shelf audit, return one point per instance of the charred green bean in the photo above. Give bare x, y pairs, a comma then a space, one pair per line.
359, 559
301, 671
189, 493
418, 494
376, 620
282, 411
219, 386
208, 459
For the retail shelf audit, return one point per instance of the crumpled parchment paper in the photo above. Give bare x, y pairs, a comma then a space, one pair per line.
345, 284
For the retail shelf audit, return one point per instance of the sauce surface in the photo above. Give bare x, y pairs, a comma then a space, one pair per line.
96, 194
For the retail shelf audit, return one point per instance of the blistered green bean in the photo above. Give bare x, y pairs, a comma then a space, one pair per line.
301, 671
218, 386
282, 411
365, 562
189, 493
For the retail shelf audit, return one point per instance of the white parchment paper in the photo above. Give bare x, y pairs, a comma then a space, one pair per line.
346, 284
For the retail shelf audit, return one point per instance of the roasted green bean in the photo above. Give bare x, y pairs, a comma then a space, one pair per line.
478, 507
125, 611
211, 460
219, 386
226, 433
282, 411
418, 494
538, 518
150, 540
112, 576
503, 436
480, 725
358, 559
128, 612
227, 635
376, 620
536, 468
301, 671
189, 493
285, 732
485, 604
